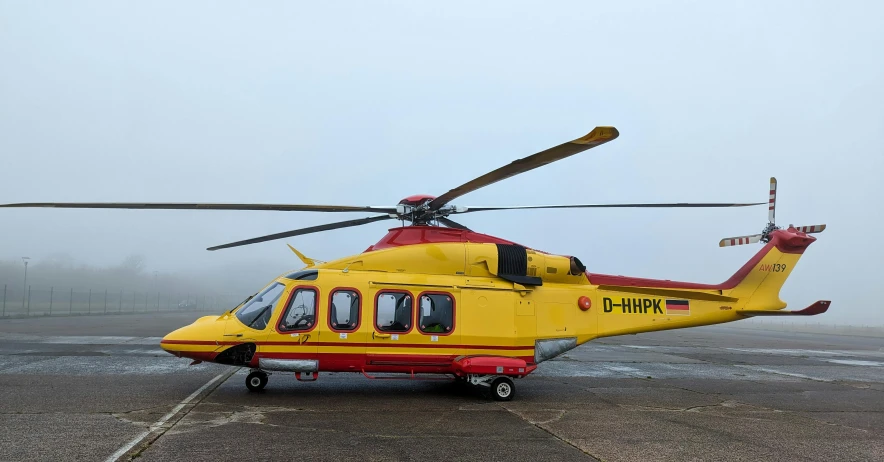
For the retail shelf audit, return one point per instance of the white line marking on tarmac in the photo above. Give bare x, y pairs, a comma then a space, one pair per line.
856, 362
788, 374
159, 423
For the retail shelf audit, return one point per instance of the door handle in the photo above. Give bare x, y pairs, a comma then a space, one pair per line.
233, 335
377, 335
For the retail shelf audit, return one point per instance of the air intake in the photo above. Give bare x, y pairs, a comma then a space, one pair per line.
512, 265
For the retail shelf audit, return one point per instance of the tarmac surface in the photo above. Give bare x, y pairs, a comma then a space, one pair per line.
100, 388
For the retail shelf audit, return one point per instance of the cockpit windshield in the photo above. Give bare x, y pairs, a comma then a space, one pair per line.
257, 311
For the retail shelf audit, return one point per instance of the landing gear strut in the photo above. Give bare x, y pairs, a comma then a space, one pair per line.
501, 387
256, 380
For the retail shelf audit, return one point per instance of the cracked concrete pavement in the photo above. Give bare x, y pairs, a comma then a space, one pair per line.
82, 388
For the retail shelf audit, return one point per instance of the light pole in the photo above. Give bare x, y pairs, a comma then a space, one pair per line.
24, 292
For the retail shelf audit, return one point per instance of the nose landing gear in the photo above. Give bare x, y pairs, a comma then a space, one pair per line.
256, 380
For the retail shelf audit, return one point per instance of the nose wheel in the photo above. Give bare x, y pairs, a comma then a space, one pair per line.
256, 380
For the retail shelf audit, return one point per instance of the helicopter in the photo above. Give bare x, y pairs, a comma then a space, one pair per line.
434, 298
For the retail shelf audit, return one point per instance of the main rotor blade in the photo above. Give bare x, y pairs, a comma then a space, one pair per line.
772, 201
204, 206
452, 224
614, 206
596, 137
302, 231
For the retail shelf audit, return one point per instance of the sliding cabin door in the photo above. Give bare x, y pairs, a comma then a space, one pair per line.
414, 330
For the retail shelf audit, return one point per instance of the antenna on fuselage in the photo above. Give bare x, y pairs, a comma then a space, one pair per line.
307, 260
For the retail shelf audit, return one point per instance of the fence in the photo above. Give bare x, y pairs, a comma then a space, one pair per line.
55, 301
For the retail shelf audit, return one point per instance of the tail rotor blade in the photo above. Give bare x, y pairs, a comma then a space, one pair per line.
811, 229
740, 240
772, 202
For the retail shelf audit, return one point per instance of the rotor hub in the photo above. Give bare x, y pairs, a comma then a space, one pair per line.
767, 231
418, 211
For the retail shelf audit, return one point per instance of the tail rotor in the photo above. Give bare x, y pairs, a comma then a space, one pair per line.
771, 224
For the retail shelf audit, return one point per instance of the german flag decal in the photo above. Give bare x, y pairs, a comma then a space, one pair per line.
678, 307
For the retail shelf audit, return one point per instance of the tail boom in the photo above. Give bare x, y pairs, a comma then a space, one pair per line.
633, 305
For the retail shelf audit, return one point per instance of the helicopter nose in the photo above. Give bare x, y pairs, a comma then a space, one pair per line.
196, 341
173, 341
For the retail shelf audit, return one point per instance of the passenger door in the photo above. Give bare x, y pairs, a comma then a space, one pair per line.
392, 323
413, 333
294, 334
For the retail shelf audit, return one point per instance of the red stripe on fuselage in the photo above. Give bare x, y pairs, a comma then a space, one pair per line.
352, 344
400, 363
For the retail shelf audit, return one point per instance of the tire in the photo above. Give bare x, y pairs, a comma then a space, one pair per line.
503, 389
256, 381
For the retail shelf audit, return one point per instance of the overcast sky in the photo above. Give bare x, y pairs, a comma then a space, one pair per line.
364, 103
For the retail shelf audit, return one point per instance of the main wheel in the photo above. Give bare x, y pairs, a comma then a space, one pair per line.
503, 389
256, 381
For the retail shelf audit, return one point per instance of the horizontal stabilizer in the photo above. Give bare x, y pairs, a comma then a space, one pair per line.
819, 307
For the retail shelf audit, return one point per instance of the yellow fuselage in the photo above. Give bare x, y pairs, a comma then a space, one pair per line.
490, 315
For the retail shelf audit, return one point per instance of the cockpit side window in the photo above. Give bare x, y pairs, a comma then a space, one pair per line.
394, 311
345, 306
258, 309
300, 312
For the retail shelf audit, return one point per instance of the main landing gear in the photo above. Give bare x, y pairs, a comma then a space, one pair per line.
256, 380
501, 387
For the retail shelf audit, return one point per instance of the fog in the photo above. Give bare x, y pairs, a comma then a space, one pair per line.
366, 103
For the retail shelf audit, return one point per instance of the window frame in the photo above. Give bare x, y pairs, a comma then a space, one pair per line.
411, 316
453, 312
303, 275
236, 312
331, 296
284, 312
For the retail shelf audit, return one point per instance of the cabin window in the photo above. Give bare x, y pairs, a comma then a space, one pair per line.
344, 309
393, 311
436, 315
300, 312
256, 311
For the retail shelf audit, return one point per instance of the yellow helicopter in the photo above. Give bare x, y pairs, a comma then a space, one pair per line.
435, 297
